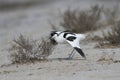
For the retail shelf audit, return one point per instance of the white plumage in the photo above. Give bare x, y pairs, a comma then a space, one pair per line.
62, 37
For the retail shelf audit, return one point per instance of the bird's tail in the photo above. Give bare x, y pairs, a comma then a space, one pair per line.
80, 52
81, 36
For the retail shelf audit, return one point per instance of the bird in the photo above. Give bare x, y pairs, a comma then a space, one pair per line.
63, 37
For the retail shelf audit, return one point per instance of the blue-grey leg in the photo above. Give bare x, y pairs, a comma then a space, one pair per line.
71, 54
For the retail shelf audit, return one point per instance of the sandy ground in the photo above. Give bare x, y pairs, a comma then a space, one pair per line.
34, 22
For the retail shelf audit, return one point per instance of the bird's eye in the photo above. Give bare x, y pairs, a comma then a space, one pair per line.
52, 34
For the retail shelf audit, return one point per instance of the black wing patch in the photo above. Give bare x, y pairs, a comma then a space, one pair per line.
80, 52
66, 33
71, 38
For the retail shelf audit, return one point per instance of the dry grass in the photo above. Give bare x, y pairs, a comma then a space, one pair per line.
27, 50
110, 38
82, 21
113, 36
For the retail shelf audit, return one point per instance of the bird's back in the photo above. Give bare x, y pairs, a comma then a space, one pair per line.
60, 38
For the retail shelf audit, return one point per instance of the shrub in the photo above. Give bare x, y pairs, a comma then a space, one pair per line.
113, 36
82, 21
27, 50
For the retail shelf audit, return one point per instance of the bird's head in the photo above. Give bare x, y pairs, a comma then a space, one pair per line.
52, 37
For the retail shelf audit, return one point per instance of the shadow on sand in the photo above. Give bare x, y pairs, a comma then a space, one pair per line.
64, 59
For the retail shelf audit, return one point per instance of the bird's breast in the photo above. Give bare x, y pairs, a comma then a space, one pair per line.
60, 40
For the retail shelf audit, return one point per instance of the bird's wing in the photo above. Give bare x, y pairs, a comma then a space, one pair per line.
74, 42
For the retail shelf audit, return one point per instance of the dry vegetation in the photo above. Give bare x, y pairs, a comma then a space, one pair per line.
82, 21
27, 50
113, 36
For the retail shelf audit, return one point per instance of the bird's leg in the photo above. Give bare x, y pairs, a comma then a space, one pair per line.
71, 54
